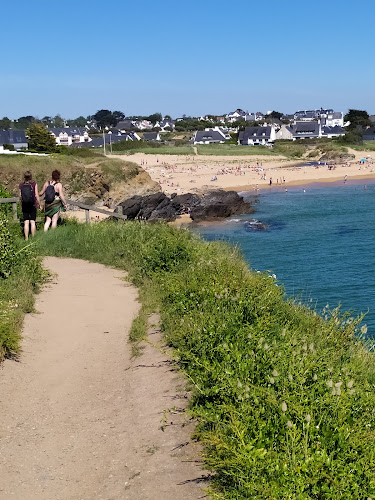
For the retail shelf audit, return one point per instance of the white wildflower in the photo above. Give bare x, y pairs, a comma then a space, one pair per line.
275, 373
290, 377
364, 329
284, 406
308, 418
266, 347
351, 391
289, 424
272, 380
315, 377
239, 385
338, 384
349, 385
329, 383
283, 332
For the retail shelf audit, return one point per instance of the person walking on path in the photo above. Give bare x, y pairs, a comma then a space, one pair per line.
30, 201
54, 200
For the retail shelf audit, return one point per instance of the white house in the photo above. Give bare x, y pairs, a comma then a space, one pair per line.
69, 136
257, 136
215, 135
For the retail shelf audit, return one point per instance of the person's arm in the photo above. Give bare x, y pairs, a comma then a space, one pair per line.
44, 188
37, 195
61, 193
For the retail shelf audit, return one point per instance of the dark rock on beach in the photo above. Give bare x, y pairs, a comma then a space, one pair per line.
219, 205
214, 205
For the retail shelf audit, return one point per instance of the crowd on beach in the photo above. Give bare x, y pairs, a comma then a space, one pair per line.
176, 174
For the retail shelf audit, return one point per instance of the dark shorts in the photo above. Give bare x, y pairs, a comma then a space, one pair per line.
29, 211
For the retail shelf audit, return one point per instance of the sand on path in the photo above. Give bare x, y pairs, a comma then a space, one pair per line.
79, 418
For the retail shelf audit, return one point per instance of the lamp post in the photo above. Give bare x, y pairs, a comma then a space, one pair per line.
110, 140
104, 142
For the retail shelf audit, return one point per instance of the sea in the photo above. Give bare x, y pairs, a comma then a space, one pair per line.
318, 240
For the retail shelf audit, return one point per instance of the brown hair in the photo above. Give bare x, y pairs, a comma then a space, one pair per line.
56, 175
27, 176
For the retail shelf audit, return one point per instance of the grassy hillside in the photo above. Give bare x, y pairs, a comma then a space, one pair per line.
285, 398
84, 174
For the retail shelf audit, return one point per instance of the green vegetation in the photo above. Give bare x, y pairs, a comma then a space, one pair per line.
77, 169
40, 139
21, 274
284, 398
130, 147
233, 150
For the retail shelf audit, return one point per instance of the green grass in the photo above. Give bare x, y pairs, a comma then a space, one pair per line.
21, 275
285, 398
160, 150
366, 146
233, 150
76, 170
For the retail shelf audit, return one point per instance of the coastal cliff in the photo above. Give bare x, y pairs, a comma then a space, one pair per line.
93, 179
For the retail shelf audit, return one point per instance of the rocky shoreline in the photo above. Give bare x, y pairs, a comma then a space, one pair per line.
211, 206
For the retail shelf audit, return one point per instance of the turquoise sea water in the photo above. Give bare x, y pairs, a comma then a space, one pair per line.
320, 244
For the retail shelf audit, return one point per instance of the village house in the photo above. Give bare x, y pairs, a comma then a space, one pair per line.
369, 134
15, 138
216, 135
239, 114
327, 117
257, 136
69, 136
334, 131
151, 136
165, 125
308, 130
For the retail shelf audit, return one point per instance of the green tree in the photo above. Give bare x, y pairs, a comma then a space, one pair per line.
40, 139
47, 121
81, 121
117, 117
103, 118
5, 123
276, 114
58, 122
156, 117
24, 122
357, 118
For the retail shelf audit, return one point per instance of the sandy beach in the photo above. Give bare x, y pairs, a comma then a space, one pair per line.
182, 174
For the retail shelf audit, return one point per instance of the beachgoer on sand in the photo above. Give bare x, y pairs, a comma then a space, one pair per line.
30, 201
54, 200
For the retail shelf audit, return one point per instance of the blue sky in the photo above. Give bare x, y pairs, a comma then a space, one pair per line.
213, 56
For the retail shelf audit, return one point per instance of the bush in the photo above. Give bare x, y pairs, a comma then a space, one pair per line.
285, 398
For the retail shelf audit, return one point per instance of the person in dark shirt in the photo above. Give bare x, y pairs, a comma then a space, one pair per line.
29, 206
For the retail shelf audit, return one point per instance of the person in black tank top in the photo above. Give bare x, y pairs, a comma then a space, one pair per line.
29, 208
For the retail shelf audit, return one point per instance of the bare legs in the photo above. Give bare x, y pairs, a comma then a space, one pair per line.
54, 220
29, 226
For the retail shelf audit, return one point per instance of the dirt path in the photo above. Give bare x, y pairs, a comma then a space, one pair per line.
79, 419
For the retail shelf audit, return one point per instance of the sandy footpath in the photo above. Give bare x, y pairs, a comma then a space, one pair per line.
79, 418
182, 174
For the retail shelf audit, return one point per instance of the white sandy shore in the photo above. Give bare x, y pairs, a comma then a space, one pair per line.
182, 174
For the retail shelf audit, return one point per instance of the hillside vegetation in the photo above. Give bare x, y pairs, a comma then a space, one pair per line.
86, 176
284, 398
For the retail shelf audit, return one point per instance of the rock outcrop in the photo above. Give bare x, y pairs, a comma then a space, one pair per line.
214, 205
